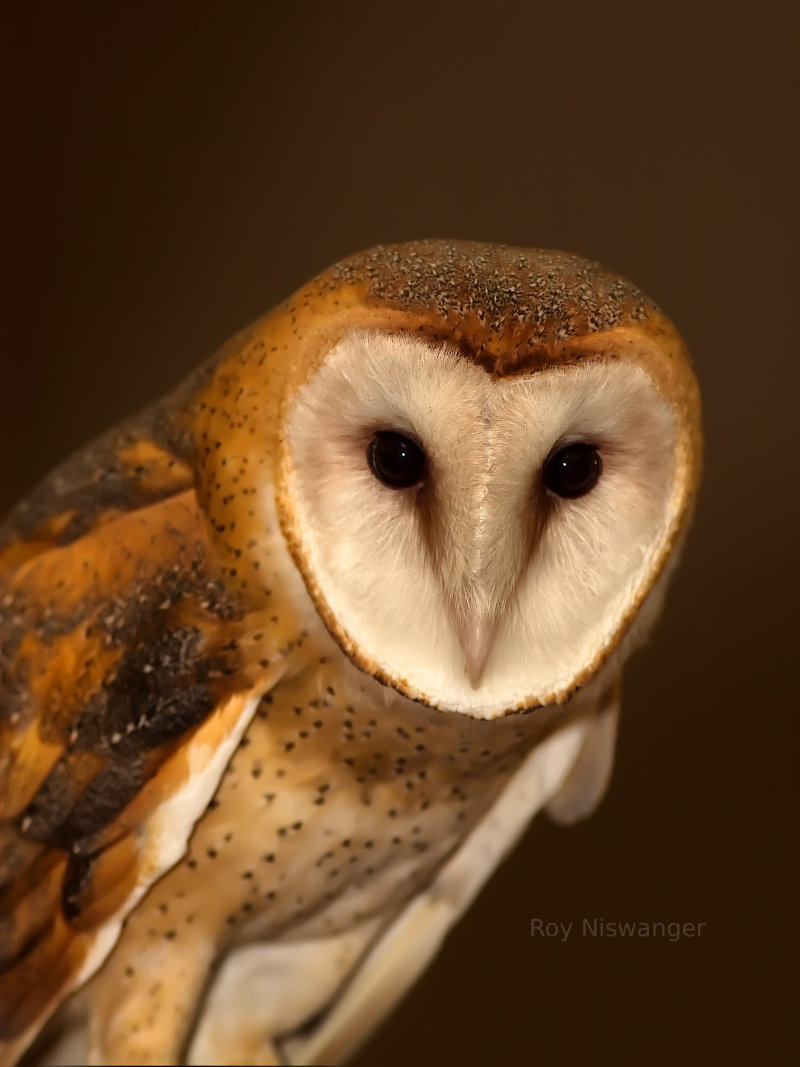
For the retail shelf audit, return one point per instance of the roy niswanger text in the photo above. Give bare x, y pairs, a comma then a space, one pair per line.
608, 928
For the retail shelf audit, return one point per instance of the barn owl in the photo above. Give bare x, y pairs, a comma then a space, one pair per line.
289, 660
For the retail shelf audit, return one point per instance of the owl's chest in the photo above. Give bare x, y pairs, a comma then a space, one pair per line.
339, 803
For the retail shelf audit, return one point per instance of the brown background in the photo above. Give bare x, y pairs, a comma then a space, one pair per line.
176, 169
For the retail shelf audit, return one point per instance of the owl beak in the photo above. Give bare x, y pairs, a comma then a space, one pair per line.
476, 638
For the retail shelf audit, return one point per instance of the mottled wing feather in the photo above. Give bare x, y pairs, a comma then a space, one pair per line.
129, 467
118, 643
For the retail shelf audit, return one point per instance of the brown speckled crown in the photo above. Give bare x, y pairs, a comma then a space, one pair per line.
509, 308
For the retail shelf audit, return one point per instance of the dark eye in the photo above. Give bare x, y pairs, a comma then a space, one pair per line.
395, 460
573, 470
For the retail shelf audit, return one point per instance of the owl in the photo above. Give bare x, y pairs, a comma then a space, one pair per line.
289, 660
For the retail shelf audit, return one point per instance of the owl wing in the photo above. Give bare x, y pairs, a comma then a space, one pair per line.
409, 945
125, 685
586, 784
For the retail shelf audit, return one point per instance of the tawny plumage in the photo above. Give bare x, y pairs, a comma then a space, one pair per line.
288, 661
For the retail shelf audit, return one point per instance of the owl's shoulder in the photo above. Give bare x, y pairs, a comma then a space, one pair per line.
131, 466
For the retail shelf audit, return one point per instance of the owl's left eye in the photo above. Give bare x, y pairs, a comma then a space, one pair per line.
395, 459
573, 471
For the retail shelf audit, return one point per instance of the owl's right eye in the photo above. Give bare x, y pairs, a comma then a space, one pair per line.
396, 460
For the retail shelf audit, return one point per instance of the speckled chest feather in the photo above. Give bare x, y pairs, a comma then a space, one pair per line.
340, 801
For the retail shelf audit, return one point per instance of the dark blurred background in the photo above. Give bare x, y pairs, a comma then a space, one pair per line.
175, 169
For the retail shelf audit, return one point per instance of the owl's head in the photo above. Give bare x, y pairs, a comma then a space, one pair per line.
485, 457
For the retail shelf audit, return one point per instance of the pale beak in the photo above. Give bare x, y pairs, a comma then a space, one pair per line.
477, 638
